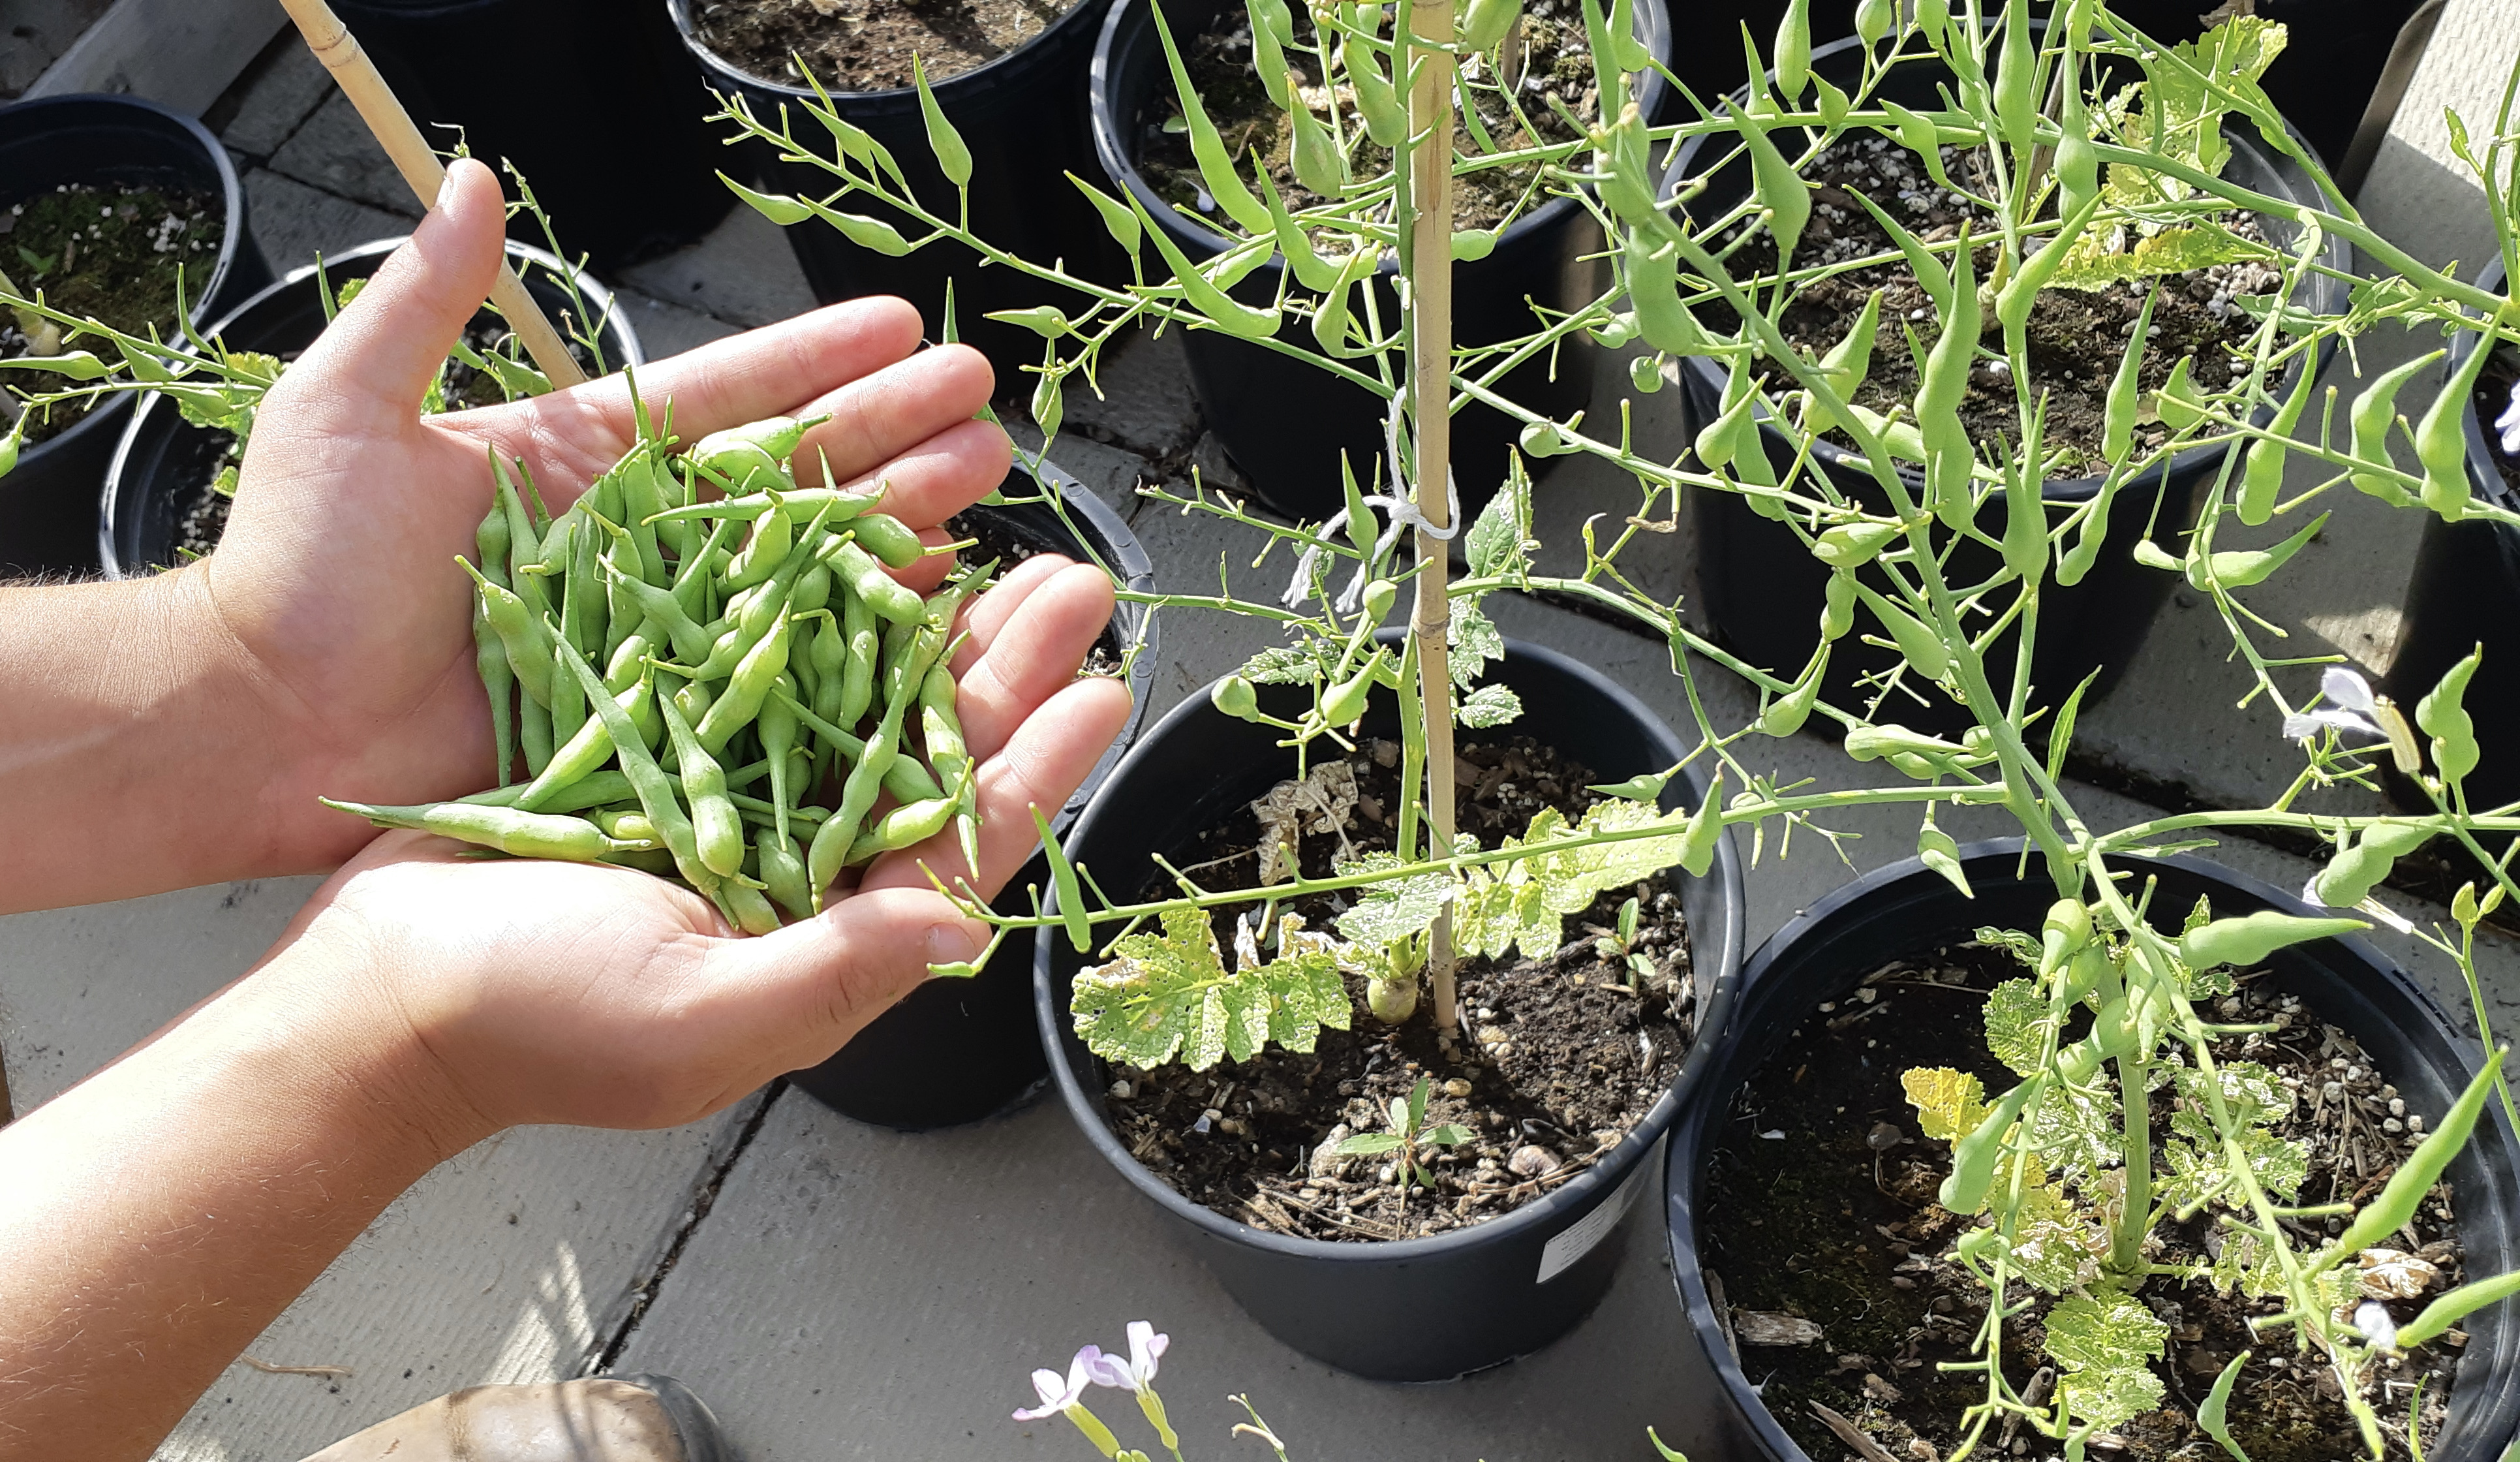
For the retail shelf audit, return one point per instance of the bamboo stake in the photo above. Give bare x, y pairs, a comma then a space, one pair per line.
1430, 366
339, 50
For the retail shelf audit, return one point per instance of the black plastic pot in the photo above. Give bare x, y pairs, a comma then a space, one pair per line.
1284, 421
608, 135
958, 1050
1422, 1310
1764, 590
48, 503
2465, 591
1023, 115
1905, 910
162, 456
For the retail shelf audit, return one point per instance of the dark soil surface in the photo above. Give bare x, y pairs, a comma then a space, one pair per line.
1554, 61
866, 45
2494, 387
996, 537
1560, 1056
108, 251
2076, 337
1820, 1206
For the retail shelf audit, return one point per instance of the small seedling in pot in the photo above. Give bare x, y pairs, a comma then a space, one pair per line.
1410, 1137
1617, 945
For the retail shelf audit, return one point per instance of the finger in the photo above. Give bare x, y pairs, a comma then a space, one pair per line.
984, 617
887, 412
932, 480
1041, 766
818, 982
1035, 653
773, 371
375, 362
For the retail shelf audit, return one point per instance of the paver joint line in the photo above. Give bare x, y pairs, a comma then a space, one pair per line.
703, 1202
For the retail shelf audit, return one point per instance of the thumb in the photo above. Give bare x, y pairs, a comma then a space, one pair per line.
377, 361
814, 983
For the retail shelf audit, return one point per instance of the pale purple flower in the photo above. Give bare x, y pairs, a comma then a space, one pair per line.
1138, 1372
2350, 705
2508, 424
1057, 1395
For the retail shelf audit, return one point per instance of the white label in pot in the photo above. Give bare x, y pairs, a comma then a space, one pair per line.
1585, 1234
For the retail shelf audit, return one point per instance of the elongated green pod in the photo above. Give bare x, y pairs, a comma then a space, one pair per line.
2441, 439
2239, 569
2016, 78
1385, 120
2119, 407
1837, 606
1312, 272
2025, 510
1704, 830
2374, 412
1778, 188
1973, 1157
1917, 643
519, 834
1206, 146
2414, 1180
1663, 318
1873, 20
2261, 471
953, 155
2066, 929
1063, 882
1852, 545
2454, 1306
1117, 220
2013, 302
1484, 22
1850, 360
2176, 403
1227, 313
1936, 849
1330, 316
2249, 938
1931, 276
2441, 716
1940, 389
1318, 163
1793, 49
1787, 713
2210, 1418
1269, 55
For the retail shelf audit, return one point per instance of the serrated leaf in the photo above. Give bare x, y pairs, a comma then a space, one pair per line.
1521, 902
1949, 1104
1283, 665
1166, 995
2105, 1344
2020, 945
1489, 706
1474, 640
2016, 1024
1500, 543
2059, 1248
2076, 1134
2103, 257
1388, 912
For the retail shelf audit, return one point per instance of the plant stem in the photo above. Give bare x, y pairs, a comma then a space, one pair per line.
1429, 267
2135, 1216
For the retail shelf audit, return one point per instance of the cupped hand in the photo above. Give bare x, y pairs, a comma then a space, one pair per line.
562, 992
333, 600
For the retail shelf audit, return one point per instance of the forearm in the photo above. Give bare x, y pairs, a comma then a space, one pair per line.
161, 1213
133, 756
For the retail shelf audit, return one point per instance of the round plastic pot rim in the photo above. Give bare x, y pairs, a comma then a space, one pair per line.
230, 232
596, 293
1582, 1192
1111, 133
978, 77
2068, 491
1681, 1227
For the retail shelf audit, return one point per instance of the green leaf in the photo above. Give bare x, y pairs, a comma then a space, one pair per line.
1449, 1134
1500, 540
2016, 1024
2105, 1344
2091, 263
1489, 706
1165, 995
2210, 1418
1949, 1104
1386, 913
1368, 1145
1284, 665
1474, 641
2021, 945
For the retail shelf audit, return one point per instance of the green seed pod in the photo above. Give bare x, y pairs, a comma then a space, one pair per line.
1873, 20
1385, 120
2176, 403
1704, 830
1644, 373
1046, 408
2261, 472
78, 365
1837, 606
1850, 360
953, 155
2066, 929
1653, 292
1852, 545
1787, 713
1973, 1157
1542, 438
2441, 439
1629, 187
1471, 245
523, 835
2118, 410
1319, 164
2374, 412
1943, 386
2025, 517
1484, 22
1345, 702
2362, 865
2078, 162
1793, 49
1236, 697
1268, 51
2412, 1183
2447, 721
2250, 938
1778, 189
1917, 643
2016, 78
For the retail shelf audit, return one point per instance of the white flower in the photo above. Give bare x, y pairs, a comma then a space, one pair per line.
2350, 703
1138, 1372
1057, 1395
2508, 424
2371, 1317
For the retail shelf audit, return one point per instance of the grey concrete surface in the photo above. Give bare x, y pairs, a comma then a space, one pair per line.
842, 1291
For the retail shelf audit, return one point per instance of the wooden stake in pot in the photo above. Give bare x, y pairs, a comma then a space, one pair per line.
1429, 23
339, 50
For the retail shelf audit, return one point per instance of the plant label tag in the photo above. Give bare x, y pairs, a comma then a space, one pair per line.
1585, 1234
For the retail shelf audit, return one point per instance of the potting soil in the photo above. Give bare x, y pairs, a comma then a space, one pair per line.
1558, 1058
2076, 337
112, 252
1820, 1208
866, 45
1554, 61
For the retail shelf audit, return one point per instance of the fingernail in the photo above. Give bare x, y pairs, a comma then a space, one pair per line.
445, 192
952, 943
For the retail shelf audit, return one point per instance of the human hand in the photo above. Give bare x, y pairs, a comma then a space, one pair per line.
333, 605
563, 992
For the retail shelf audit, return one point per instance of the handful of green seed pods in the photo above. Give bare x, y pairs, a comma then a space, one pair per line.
718, 688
